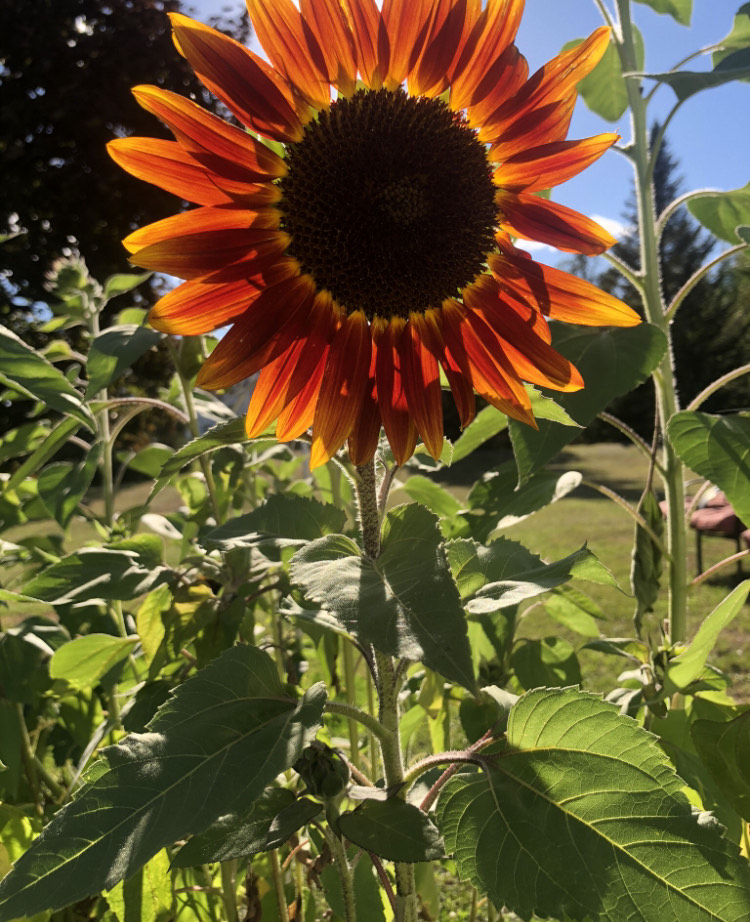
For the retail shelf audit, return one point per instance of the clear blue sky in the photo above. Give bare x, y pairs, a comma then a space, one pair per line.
710, 135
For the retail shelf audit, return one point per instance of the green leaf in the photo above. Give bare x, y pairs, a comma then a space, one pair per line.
114, 351
97, 573
585, 808
474, 565
574, 610
405, 602
604, 90
686, 667
23, 440
150, 460
645, 571
26, 371
84, 661
54, 441
497, 501
724, 748
722, 212
123, 282
62, 486
23, 668
212, 748
269, 823
147, 895
487, 423
432, 495
681, 10
283, 520
717, 448
504, 593
738, 38
686, 83
368, 897
394, 830
550, 661
615, 359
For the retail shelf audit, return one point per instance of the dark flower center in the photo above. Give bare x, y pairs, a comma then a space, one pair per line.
389, 203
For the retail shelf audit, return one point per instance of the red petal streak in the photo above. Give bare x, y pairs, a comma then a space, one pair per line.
446, 34
469, 340
288, 374
551, 164
293, 49
541, 126
557, 294
421, 377
364, 437
273, 321
456, 368
397, 421
239, 78
297, 417
193, 307
491, 37
343, 389
531, 358
527, 215
166, 165
222, 147
327, 21
405, 22
200, 221
371, 44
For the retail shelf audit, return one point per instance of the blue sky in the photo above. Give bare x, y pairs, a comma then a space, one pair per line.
710, 135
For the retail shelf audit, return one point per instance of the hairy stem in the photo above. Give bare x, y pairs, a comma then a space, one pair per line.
345, 873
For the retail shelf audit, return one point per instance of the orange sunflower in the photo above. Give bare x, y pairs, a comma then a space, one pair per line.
357, 233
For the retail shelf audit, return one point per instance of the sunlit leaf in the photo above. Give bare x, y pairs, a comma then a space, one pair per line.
83, 662
738, 38
574, 610
393, 830
686, 667
722, 212
724, 748
430, 494
487, 423
687, 83
405, 602
717, 448
24, 369
22, 441
63, 485
114, 351
604, 90
645, 571
147, 895
616, 359
227, 733
123, 282
474, 565
681, 10
549, 661
585, 808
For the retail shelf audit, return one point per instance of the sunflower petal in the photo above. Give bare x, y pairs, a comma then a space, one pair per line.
239, 78
327, 21
364, 437
551, 164
166, 165
449, 24
297, 416
343, 389
371, 45
292, 48
526, 215
544, 125
421, 377
397, 421
405, 23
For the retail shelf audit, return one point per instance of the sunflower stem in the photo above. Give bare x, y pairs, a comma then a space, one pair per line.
664, 379
388, 683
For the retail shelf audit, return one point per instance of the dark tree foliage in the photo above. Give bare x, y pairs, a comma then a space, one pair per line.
66, 72
711, 330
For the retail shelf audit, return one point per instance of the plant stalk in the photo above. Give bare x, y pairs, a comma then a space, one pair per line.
664, 380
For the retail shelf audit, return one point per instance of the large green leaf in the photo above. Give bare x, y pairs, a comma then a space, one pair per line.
405, 603
538, 579
681, 10
581, 816
474, 565
114, 351
612, 362
46, 450
717, 448
687, 83
646, 566
724, 748
550, 661
84, 661
486, 423
604, 90
270, 821
393, 830
23, 440
282, 520
686, 667
722, 212
498, 501
430, 494
117, 573
26, 371
147, 895
212, 748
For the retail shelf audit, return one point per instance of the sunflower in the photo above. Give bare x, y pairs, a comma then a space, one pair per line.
358, 232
